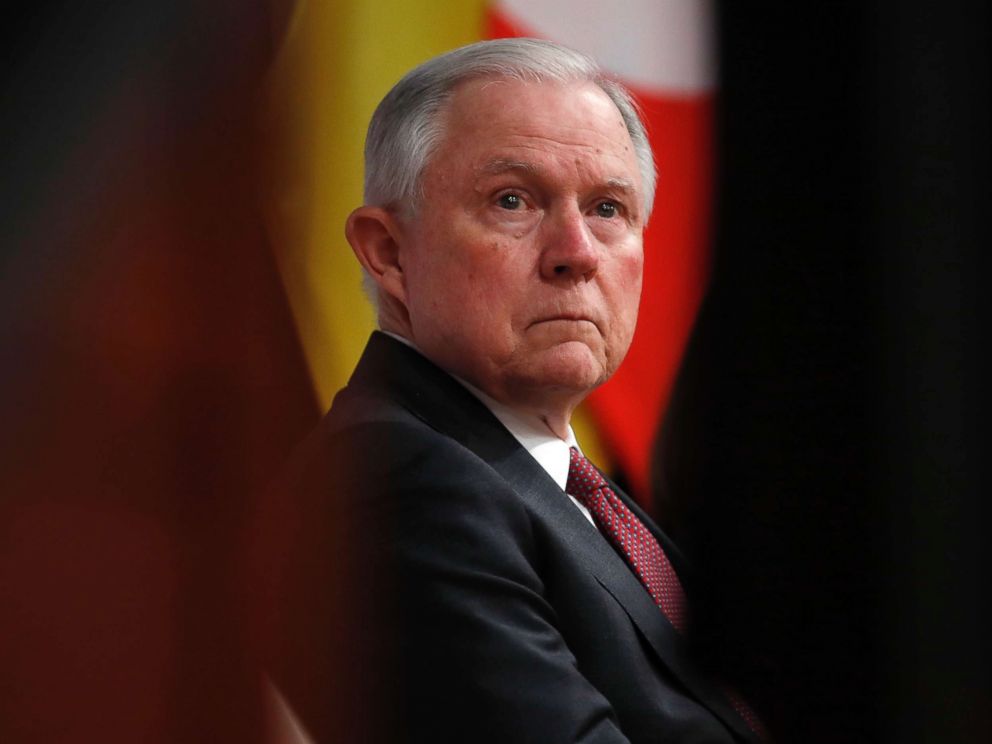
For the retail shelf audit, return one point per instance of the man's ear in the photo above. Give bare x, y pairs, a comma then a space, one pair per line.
374, 234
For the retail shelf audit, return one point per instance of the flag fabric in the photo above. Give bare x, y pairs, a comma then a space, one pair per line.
336, 62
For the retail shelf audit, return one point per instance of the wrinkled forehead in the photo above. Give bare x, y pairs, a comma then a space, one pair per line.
505, 124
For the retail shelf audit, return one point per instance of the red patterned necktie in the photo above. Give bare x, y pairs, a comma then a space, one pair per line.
629, 535
641, 551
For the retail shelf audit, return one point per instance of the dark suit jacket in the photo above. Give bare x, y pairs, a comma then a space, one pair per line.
484, 606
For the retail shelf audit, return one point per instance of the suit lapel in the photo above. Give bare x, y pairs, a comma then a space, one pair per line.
596, 554
440, 401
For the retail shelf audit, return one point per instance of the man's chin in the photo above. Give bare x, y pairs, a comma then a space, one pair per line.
572, 369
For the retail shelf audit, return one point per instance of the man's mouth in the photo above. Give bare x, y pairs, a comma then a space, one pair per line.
572, 318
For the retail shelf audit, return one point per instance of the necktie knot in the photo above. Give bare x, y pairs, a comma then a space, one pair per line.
583, 478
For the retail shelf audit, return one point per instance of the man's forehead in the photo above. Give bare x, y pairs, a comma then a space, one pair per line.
500, 165
499, 125
496, 166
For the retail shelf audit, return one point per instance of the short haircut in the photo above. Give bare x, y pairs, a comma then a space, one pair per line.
408, 126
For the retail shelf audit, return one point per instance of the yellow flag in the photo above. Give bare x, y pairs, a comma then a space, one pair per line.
337, 61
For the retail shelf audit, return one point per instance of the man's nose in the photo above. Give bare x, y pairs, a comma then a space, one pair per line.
569, 248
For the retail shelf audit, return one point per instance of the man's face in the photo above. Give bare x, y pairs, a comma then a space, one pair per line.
522, 267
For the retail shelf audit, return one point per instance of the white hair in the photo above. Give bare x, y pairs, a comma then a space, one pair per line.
408, 125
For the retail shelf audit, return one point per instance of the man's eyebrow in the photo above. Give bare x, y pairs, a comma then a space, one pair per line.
502, 165
621, 184
495, 167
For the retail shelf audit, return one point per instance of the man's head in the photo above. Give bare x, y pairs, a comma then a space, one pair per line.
407, 124
507, 188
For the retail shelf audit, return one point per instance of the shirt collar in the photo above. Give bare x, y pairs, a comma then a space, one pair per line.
551, 452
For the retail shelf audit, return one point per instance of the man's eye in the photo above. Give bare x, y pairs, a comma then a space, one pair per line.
510, 201
606, 209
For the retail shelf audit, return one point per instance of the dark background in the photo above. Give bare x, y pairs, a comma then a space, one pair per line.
823, 459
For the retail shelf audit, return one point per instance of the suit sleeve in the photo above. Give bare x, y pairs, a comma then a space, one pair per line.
475, 650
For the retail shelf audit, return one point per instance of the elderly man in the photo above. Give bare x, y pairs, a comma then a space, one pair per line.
507, 592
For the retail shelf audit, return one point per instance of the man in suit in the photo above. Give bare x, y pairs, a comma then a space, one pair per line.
499, 590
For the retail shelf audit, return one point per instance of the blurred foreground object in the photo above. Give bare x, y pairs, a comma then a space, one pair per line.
151, 378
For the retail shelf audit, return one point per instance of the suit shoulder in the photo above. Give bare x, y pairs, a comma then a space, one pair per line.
373, 453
